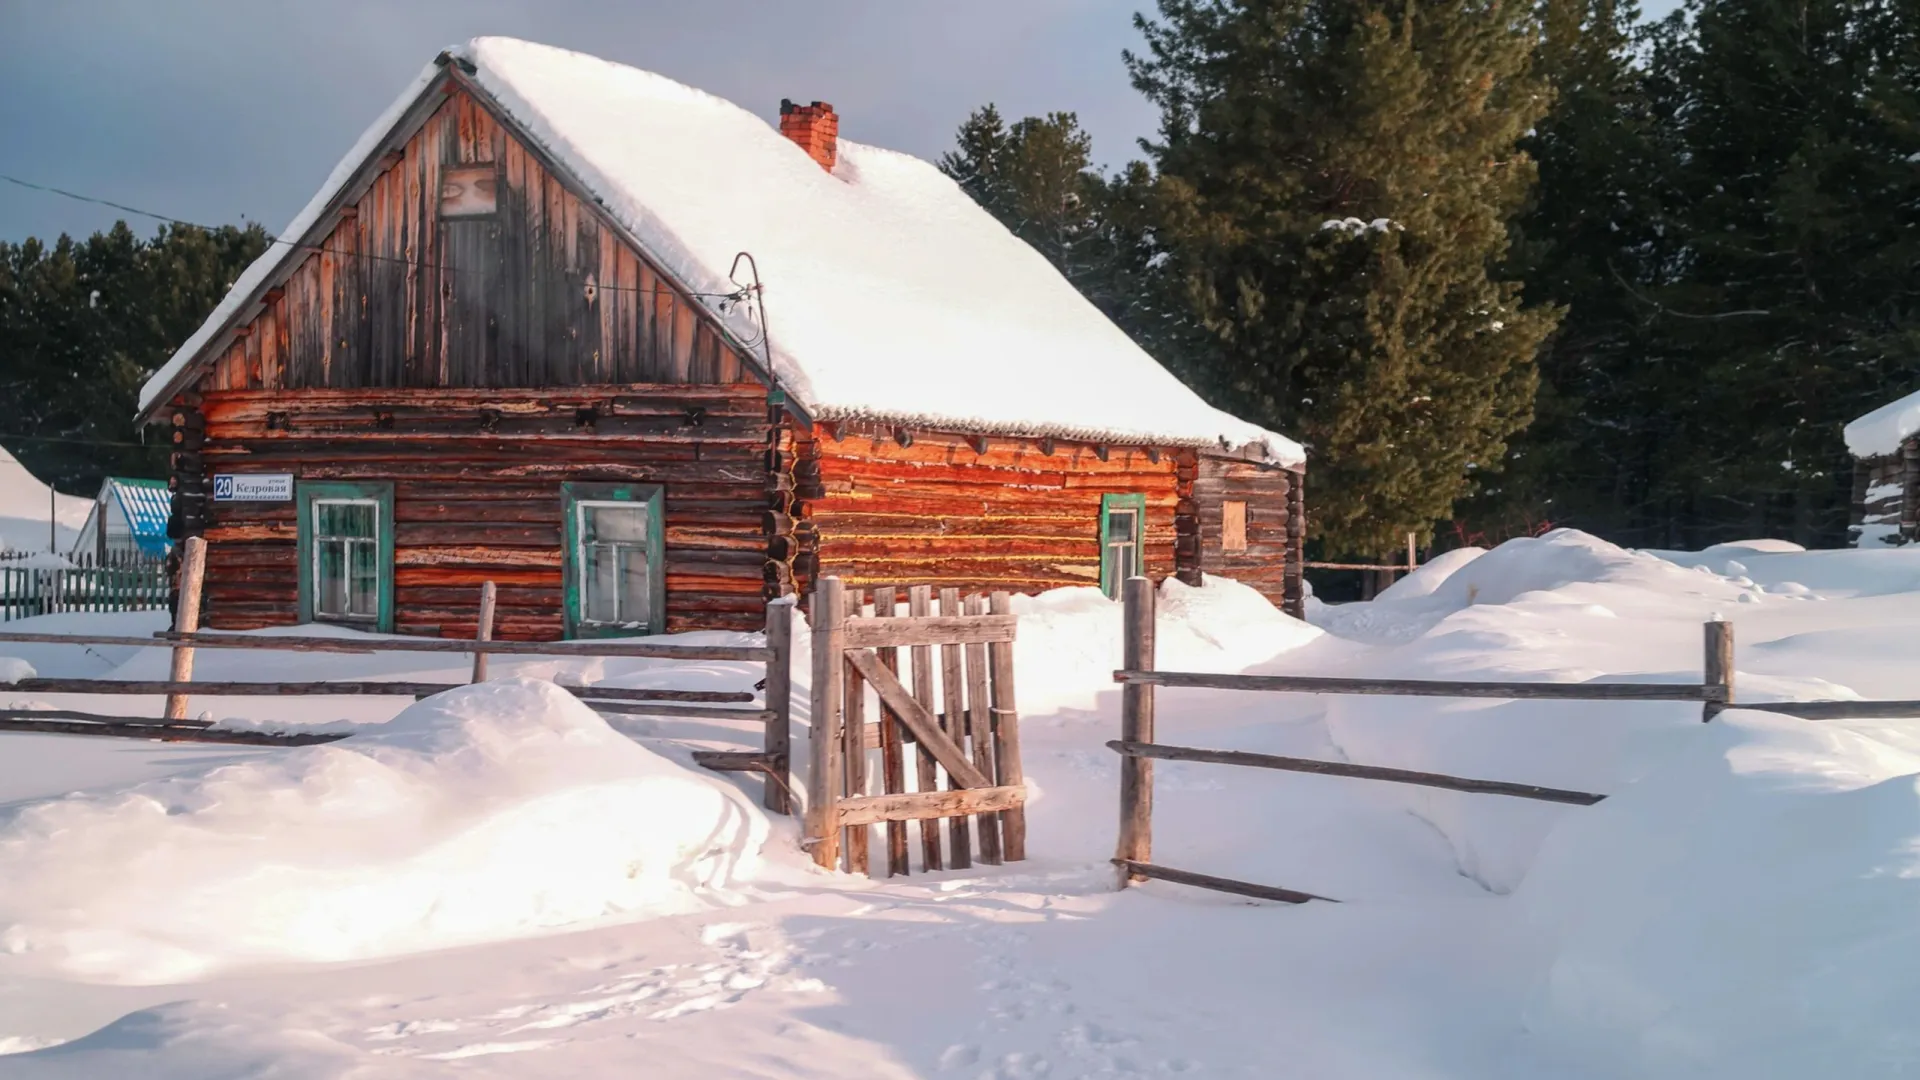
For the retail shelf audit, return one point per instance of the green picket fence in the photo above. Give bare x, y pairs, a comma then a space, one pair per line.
118, 583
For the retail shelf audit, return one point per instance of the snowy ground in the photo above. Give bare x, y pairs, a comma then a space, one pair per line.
498, 885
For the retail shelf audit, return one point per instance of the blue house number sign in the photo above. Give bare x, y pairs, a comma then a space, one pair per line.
253, 487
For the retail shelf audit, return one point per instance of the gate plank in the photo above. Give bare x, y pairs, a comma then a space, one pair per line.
917, 720
893, 769
931, 805
919, 606
855, 748
980, 729
1006, 734
953, 722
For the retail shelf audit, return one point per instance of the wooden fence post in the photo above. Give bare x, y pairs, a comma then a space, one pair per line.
485, 630
823, 786
778, 743
1136, 725
193, 571
1719, 668
1006, 734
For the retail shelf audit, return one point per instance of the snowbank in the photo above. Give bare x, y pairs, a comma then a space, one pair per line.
1069, 641
1565, 607
24, 506
1881, 431
493, 811
1430, 575
1747, 909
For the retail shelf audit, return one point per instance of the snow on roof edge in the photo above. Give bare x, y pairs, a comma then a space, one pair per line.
1881, 431
286, 246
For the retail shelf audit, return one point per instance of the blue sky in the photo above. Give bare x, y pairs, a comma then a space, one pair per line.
214, 110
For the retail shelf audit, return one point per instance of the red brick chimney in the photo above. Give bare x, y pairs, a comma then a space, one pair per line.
814, 128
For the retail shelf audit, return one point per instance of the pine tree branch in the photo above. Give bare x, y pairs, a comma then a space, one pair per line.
1665, 310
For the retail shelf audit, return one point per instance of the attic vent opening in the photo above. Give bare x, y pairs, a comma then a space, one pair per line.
468, 192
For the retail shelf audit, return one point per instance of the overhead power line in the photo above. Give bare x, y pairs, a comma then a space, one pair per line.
725, 298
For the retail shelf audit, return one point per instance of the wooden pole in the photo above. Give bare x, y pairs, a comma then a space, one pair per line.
1136, 726
779, 738
823, 786
193, 571
1413, 557
485, 630
1006, 734
1719, 669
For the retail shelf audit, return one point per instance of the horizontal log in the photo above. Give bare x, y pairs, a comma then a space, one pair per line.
1837, 710
379, 688
1218, 884
1358, 772
71, 714
749, 396
638, 708
1304, 684
922, 805
131, 727
732, 760
885, 632
289, 643
1402, 567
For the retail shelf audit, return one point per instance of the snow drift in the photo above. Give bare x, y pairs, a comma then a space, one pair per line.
1746, 909
24, 506
492, 811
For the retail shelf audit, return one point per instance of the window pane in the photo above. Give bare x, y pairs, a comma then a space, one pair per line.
329, 578
633, 585
364, 586
602, 602
345, 519
615, 523
1120, 525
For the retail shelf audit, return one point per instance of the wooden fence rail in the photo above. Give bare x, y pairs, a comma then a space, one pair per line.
1133, 853
773, 713
1138, 679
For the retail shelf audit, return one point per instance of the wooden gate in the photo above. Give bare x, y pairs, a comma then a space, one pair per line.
963, 733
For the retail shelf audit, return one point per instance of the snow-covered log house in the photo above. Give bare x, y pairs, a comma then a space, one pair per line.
645, 360
1885, 445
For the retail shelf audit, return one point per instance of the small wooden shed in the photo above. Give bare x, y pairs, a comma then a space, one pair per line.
1886, 478
645, 361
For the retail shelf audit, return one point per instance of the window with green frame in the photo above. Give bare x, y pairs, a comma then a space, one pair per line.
615, 561
1123, 532
346, 553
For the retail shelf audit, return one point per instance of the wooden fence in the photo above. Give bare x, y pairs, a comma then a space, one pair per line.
118, 583
1138, 679
773, 711
965, 737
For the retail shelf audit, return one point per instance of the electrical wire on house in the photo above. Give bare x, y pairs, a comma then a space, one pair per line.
726, 299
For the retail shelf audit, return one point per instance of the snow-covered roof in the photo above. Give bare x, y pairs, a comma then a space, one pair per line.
891, 296
1881, 431
147, 504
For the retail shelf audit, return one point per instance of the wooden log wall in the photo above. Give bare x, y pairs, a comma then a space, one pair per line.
541, 292
1268, 563
477, 477
977, 514
1886, 497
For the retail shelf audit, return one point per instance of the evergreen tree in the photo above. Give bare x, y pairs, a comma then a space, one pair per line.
82, 325
1336, 180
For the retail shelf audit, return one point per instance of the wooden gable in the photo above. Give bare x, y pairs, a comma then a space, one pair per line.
508, 281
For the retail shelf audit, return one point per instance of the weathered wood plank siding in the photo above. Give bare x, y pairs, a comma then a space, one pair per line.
539, 293
476, 477
1886, 497
1264, 564
942, 513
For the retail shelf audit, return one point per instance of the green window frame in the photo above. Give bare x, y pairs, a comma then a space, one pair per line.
313, 499
592, 609
1122, 551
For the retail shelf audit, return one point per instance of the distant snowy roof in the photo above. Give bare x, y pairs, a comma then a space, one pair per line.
1881, 431
147, 504
890, 294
